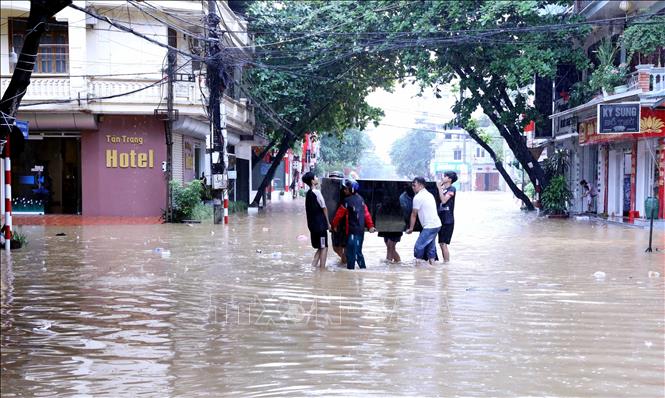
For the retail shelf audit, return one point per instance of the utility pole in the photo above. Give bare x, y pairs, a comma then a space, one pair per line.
169, 115
215, 85
170, 71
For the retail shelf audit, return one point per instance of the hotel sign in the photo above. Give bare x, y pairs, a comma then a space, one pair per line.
128, 159
619, 118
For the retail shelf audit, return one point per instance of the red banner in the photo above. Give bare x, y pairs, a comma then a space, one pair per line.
652, 125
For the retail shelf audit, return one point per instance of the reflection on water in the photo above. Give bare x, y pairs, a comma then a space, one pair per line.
238, 311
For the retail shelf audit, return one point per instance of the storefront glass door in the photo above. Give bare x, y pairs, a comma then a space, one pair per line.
47, 177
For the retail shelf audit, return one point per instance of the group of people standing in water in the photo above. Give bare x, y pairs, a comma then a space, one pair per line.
353, 217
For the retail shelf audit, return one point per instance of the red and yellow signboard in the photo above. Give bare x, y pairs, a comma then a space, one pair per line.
652, 124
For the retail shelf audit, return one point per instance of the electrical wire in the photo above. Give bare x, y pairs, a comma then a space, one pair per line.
64, 101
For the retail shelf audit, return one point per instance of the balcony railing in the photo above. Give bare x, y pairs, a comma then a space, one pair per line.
632, 82
145, 91
42, 88
112, 92
658, 79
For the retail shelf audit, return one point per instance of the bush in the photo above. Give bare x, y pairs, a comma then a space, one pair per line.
556, 196
202, 212
185, 200
19, 237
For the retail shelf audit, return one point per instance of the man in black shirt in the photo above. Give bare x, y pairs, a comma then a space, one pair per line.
317, 219
446, 211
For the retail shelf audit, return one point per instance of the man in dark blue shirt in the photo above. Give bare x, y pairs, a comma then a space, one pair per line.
446, 211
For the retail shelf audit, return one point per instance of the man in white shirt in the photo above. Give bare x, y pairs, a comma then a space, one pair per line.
424, 207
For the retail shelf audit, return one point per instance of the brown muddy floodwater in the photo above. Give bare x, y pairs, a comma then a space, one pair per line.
238, 311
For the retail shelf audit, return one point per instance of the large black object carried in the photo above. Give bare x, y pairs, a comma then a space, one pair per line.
389, 201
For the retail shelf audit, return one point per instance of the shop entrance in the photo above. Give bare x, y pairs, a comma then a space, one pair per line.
626, 183
46, 177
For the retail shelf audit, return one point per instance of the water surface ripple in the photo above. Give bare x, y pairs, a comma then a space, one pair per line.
203, 310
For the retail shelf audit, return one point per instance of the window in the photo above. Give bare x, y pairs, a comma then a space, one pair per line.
53, 54
480, 153
448, 136
457, 154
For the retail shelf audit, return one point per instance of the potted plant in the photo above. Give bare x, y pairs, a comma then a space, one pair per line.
556, 164
607, 76
557, 197
17, 241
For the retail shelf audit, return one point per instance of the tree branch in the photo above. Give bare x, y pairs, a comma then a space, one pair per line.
40, 12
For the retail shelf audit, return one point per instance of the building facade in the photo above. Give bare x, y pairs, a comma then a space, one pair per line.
616, 141
96, 104
456, 151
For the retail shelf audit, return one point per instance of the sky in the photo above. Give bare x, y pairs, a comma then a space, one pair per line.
402, 108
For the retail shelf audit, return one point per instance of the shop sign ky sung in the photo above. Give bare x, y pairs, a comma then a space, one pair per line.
619, 118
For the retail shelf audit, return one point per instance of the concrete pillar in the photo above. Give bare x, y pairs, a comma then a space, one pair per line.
644, 76
77, 37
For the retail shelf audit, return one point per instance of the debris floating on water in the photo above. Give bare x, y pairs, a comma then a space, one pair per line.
599, 275
259, 251
654, 274
43, 327
61, 234
276, 255
487, 289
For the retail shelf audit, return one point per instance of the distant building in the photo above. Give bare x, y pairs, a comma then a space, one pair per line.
455, 150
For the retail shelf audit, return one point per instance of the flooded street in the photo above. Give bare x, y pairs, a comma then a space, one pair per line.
212, 310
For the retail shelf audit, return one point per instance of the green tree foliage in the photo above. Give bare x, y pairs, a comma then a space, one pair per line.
373, 167
412, 153
645, 36
337, 151
304, 80
494, 68
317, 60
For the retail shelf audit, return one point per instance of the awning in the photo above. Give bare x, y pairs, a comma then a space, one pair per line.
601, 100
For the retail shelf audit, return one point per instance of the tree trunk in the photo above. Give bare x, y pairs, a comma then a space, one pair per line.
284, 145
490, 102
40, 12
499, 166
265, 151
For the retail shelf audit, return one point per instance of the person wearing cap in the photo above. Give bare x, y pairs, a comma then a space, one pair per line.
424, 208
446, 211
356, 217
317, 219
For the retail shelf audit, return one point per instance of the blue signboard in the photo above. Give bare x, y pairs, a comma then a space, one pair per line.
619, 118
23, 126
